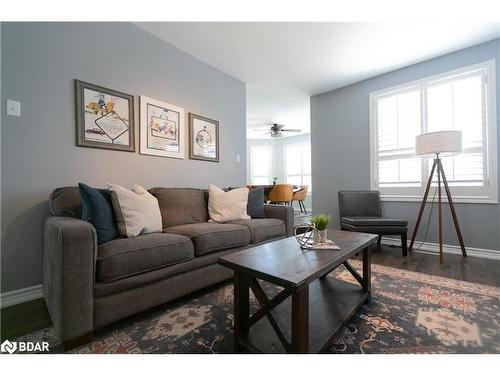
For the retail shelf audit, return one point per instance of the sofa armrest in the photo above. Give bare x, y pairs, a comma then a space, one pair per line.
284, 213
69, 256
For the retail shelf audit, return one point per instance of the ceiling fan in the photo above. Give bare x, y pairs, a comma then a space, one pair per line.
276, 130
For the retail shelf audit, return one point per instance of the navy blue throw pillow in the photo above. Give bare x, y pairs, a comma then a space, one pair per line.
255, 205
97, 209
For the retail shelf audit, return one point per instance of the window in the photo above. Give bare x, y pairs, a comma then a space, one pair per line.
260, 165
460, 100
297, 162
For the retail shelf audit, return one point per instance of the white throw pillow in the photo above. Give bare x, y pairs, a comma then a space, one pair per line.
227, 206
136, 211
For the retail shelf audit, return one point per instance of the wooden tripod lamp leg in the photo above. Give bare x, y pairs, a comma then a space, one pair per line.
452, 209
419, 218
440, 216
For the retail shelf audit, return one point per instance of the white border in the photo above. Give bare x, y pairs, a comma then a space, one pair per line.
143, 123
491, 129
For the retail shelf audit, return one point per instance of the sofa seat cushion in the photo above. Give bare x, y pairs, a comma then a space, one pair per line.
181, 205
124, 257
370, 221
263, 229
208, 237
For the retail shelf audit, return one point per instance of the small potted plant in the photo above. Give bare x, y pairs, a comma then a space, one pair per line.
274, 180
321, 223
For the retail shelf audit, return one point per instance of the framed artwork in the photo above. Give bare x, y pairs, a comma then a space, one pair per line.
162, 129
203, 138
104, 118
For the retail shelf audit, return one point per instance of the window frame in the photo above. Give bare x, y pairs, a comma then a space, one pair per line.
461, 194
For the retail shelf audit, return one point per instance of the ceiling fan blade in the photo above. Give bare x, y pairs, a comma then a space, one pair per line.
259, 129
291, 130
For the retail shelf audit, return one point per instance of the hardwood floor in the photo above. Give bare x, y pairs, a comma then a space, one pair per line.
24, 318
477, 270
31, 316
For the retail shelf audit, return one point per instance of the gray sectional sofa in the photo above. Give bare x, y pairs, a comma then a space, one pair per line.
87, 286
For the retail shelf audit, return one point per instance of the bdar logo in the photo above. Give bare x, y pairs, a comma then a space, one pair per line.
22, 346
9, 347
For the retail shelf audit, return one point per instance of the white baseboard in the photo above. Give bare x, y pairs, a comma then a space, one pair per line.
433, 248
16, 297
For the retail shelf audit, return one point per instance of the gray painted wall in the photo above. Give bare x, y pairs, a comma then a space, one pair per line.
341, 149
39, 63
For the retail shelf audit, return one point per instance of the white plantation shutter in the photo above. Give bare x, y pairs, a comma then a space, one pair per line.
398, 123
457, 103
460, 100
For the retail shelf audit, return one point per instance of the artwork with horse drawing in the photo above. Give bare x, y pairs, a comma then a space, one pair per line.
105, 118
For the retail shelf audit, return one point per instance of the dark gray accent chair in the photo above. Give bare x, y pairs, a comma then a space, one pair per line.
361, 211
88, 286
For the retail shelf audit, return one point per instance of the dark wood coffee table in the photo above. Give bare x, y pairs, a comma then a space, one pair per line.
319, 306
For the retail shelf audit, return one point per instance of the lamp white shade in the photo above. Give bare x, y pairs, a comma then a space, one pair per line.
444, 143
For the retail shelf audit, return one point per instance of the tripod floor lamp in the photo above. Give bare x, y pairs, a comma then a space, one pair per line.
439, 144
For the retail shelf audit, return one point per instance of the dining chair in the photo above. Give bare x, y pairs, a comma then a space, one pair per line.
300, 196
281, 193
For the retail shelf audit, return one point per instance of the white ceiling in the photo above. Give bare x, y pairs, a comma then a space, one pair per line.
284, 63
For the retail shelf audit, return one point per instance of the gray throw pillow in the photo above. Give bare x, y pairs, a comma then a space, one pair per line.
255, 205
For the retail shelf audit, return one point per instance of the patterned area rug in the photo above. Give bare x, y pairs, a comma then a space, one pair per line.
409, 312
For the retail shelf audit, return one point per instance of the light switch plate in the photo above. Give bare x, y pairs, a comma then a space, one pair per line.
13, 108
238, 158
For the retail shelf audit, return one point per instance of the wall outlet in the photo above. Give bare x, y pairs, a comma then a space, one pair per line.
13, 108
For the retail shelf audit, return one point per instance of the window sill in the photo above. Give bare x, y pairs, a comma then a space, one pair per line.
411, 198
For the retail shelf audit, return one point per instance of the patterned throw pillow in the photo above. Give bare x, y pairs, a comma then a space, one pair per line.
97, 209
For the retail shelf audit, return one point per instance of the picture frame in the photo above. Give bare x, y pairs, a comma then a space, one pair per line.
203, 138
162, 129
104, 118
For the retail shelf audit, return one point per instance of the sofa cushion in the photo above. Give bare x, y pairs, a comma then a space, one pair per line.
142, 279
129, 256
369, 221
208, 237
255, 204
263, 229
225, 206
136, 211
181, 205
65, 201
97, 209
